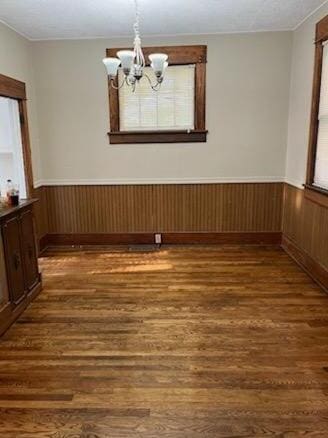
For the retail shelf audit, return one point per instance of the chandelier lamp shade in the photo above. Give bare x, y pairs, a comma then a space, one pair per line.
132, 63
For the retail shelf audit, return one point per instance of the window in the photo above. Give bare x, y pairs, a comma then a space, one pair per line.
15, 154
170, 108
176, 113
316, 187
321, 161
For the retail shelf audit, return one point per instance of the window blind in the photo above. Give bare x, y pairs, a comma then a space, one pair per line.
170, 108
321, 163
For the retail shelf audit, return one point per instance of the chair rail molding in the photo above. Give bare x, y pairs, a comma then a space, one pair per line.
145, 181
295, 183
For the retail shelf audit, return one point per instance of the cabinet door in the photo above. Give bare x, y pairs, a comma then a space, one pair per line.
12, 249
30, 261
4, 298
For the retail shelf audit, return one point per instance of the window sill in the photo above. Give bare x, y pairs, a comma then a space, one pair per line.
138, 137
317, 195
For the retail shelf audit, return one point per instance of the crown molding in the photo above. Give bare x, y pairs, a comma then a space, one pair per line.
309, 15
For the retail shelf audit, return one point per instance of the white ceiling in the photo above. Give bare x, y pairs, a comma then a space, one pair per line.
53, 19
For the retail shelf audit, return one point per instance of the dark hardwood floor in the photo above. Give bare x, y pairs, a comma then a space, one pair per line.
183, 342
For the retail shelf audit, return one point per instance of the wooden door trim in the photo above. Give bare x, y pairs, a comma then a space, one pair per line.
12, 88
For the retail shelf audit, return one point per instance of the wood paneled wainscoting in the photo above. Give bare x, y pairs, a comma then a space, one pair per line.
305, 233
40, 212
187, 213
183, 213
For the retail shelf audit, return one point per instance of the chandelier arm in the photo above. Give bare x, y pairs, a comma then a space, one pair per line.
155, 87
130, 82
119, 86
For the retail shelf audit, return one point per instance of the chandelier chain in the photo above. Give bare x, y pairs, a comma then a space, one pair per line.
140, 59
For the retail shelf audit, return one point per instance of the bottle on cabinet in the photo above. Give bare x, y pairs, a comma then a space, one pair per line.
12, 193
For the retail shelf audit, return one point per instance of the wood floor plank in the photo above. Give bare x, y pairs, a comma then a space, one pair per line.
191, 342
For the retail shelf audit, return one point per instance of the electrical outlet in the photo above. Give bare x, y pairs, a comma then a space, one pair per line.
158, 239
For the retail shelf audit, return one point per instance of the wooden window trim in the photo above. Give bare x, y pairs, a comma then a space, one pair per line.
178, 55
316, 194
15, 89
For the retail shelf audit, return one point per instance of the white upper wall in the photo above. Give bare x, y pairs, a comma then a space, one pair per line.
16, 62
300, 98
248, 78
247, 103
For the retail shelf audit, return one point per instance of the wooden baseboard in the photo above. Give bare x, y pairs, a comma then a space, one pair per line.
43, 243
262, 238
99, 239
10, 313
239, 238
316, 271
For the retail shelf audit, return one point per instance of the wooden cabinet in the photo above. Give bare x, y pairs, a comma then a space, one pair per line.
21, 275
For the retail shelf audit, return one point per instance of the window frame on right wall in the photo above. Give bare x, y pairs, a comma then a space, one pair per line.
315, 193
178, 55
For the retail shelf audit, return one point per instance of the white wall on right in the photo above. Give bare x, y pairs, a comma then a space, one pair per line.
300, 98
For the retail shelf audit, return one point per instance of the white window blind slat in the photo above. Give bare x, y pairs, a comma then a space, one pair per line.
323, 107
321, 164
170, 108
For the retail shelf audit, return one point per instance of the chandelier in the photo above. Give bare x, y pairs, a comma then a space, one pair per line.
133, 62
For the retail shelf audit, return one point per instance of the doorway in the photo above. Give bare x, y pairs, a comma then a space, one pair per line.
15, 152
11, 147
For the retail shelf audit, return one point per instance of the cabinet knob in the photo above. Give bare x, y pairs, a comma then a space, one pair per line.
30, 251
16, 260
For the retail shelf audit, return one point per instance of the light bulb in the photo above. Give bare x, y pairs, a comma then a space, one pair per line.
166, 64
127, 58
158, 61
111, 65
